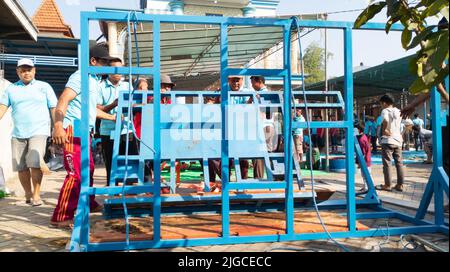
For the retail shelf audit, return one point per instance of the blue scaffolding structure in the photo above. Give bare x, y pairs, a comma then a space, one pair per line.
80, 236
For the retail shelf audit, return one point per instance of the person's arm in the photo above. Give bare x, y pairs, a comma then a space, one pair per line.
4, 103
384, 130
3, 109
105, 116
52, 101
420, 99
441, 89
109, 107
53, 114
59, 136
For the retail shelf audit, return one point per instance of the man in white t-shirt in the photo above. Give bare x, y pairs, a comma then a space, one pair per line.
391, 143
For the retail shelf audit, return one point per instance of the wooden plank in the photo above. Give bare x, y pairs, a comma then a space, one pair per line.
209, 226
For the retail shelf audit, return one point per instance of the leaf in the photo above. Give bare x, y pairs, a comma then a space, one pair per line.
435, 7
418, 86
421, 37
413, 26
419, 70
391, 21
406, 37
413, 62
430, 76
437, 52
426, 3
444, 12
369, 13
392, 7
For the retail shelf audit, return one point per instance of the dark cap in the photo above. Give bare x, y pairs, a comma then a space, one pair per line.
101, 52
258, 78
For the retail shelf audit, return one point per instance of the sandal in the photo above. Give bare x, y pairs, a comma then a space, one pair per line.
383, 188
398, 187
36, 203
62, 224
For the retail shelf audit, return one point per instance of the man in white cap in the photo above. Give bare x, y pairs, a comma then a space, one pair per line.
30, 100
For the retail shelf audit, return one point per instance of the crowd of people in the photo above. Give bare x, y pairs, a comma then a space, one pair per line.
413, 132
35, 109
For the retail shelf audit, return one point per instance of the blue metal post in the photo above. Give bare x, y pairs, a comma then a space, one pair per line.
288, 132
157, 130
80, 234
349, 143
437, 155
425, 121
439, 180
224, 145
85, 138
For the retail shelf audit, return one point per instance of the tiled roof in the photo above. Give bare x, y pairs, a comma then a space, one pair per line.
48, 18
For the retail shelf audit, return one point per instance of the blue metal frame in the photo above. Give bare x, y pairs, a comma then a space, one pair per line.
80, 235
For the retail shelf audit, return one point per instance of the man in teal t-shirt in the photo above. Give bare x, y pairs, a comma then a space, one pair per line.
68, 112
107, 102
377, 126
418, 125
235, 85
30, 101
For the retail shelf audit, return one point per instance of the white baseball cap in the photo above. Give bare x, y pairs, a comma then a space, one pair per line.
25, 61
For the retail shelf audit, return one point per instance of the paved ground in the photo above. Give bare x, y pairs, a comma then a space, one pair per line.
26, 228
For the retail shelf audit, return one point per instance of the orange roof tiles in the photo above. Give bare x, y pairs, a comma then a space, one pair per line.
48, 18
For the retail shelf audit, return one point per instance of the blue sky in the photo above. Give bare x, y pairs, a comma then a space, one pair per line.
371, 48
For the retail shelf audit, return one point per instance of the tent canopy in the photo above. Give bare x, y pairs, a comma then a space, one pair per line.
393, 77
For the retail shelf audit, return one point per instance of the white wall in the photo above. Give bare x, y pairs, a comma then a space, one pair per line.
158, 5
6, 126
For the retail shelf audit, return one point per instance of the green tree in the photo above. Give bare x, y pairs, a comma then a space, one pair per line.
429, 64
314, 62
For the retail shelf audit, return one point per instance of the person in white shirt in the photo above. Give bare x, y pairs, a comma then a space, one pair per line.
391, 143
259, 85
407, 131
426, 137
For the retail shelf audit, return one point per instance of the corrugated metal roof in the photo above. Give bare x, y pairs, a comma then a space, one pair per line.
190, 50
193, 51
15, 23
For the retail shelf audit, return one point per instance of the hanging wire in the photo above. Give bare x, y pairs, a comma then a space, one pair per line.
130, 99
295, 21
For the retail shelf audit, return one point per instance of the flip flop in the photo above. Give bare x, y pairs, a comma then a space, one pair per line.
36, 203
383, 188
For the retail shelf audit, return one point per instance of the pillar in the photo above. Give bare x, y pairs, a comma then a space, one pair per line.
177, 7
112, 40
249, 11
295, 56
